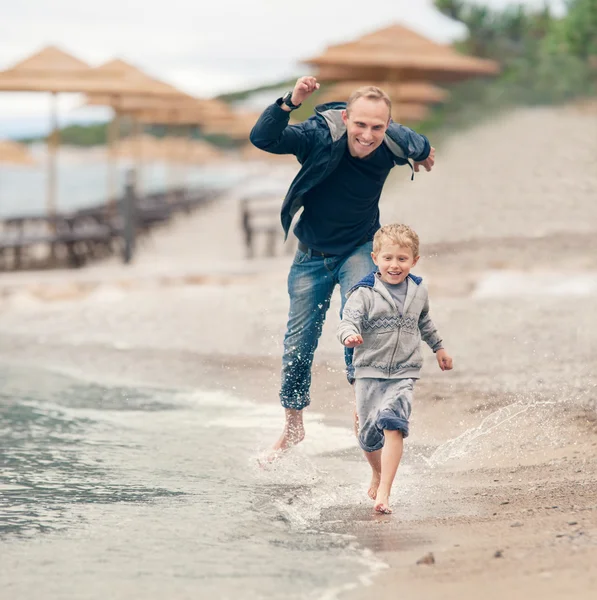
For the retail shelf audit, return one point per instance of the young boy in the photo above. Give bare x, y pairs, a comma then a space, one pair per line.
384, 319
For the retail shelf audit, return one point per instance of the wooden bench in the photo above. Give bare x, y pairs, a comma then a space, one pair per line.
260, 216
79, 237
91, 232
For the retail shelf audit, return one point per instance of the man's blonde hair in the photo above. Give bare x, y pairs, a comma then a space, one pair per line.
396, 233
372, 93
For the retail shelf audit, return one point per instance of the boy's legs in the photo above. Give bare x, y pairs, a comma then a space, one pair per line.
384, 407
390, 459
310, 287
374, 460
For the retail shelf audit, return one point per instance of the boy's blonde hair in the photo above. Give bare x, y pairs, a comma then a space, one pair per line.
372, 93
396, 233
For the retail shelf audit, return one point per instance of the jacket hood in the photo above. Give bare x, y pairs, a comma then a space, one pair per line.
331, 112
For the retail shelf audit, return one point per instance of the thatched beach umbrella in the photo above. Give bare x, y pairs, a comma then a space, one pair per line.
398, 54
201, 113
202, 152
53, 70
418, 91
236, 125
409, 100
198, 113
15, 153
130, 103
186, 115
130, 147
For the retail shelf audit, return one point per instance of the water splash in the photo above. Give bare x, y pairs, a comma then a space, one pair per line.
461, 445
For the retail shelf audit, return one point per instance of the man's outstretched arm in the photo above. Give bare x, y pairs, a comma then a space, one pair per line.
272, 132
414, 145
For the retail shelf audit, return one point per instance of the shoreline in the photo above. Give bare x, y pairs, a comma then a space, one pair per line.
510, 257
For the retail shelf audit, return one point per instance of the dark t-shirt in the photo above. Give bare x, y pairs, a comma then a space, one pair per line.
342, 211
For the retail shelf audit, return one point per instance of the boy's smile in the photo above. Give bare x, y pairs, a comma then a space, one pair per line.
394, 262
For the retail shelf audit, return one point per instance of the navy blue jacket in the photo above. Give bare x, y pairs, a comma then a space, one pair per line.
319, 144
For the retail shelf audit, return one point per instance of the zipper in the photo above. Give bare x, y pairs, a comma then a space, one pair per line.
395, 348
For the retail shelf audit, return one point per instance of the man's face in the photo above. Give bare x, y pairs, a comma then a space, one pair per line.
366, 126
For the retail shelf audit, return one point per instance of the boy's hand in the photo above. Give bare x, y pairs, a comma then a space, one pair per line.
353, 340
444, 360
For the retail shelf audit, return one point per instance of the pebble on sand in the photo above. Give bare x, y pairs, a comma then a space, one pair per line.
428, 559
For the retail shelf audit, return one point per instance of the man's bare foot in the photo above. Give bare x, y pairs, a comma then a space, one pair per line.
293, 434
382, 505
372, 491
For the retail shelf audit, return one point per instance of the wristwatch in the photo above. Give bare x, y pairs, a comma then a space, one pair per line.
287, 99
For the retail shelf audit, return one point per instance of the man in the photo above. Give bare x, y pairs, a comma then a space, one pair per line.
346, 152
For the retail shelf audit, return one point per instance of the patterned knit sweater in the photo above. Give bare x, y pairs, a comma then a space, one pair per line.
391, 341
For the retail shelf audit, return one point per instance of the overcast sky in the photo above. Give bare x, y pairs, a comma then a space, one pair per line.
203, 47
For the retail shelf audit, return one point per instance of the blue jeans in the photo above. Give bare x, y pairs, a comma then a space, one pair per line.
311, 282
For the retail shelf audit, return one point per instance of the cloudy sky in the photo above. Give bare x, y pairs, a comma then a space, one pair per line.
204, 48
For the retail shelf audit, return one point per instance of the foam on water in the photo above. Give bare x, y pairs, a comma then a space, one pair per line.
151, 481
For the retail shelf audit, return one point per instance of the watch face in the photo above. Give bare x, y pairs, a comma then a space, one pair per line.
287, 100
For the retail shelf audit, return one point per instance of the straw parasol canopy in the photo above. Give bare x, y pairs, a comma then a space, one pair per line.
417, 91
15, 153
183, 150
396, 53
409, 100
148, 145
200, 112
237, 126
53, 70
130, 103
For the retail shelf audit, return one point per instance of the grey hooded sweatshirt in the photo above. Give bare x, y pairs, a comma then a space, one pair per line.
391, 341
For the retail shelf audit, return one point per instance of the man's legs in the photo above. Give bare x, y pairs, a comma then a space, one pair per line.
353, 269
310, 287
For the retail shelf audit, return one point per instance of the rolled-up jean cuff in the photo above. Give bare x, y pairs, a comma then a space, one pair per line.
350, 375
295, 403
393, 423
366, 448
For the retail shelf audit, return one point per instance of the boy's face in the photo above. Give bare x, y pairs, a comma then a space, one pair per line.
394, 262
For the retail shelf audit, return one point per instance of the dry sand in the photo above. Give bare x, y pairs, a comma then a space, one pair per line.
504, 447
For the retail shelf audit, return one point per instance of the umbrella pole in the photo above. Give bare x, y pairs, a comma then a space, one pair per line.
189, 157
113, 136
171, 162
138, 136
392, 83
52, 146
51, 150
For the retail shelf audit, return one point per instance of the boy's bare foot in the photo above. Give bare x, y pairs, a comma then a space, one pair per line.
382, 505
372, 491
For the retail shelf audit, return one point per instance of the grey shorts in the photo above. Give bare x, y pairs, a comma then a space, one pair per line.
382, 404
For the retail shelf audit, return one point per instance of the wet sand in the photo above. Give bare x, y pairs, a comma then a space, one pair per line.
503, 450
